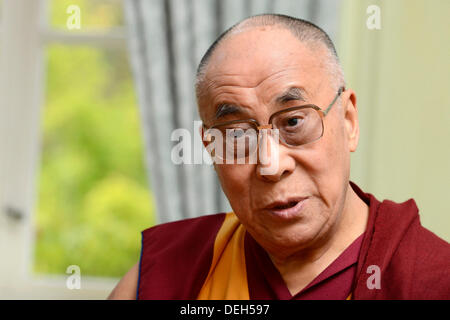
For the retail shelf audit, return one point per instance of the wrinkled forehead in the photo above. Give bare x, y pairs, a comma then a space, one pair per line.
263, 54
256, 50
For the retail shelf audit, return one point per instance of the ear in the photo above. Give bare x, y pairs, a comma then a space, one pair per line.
351, 119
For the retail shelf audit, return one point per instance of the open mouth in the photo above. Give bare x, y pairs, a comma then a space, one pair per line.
285, 204
288, 205
290, 208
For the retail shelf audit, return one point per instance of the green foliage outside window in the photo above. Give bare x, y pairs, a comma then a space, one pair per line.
93, 198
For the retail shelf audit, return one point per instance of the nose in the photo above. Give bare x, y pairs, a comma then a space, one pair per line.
274, 160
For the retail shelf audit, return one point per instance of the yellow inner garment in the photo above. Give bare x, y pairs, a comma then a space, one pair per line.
227, 277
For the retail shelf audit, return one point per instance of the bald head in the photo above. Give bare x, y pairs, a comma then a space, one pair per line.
306, 32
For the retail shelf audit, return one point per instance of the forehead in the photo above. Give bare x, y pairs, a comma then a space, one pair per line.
263, 57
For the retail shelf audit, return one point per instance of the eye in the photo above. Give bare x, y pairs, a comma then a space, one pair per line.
292, 121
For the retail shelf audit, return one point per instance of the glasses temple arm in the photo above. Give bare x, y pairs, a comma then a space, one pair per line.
334, 100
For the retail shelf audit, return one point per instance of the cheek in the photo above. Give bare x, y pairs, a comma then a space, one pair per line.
326, 163
336, 168
235, 183
338, 151
332, 152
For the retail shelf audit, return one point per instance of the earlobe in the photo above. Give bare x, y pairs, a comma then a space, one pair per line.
351, 120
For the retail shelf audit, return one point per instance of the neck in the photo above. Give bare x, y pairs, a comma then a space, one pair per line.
300, 268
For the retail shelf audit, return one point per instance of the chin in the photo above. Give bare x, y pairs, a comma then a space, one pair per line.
298, 236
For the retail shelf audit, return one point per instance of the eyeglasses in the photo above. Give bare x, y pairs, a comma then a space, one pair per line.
296, 126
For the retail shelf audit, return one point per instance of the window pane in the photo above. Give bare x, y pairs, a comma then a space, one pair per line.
94, 14
93, 197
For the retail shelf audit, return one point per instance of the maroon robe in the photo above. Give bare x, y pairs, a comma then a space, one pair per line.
409, 261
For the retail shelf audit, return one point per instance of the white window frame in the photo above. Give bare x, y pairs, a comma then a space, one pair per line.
24, 33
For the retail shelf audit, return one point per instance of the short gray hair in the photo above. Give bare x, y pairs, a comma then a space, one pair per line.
304, 30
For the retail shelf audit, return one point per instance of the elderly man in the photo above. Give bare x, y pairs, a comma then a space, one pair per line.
301, 230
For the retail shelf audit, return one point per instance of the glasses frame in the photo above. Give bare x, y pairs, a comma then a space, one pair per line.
257, 126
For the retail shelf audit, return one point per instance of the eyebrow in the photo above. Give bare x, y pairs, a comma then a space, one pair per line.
225, 109
293, 93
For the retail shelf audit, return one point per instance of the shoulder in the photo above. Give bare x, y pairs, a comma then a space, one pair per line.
168, 246
176, 257
421, 264
185, 229
424, 249
430, 259
187, 236
413, 262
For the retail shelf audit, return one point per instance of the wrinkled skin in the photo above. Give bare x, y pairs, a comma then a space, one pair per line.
250, 69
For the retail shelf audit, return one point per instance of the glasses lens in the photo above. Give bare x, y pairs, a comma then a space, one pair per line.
299, 126
238, 141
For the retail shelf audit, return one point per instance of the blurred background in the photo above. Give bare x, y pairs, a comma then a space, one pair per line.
90, 91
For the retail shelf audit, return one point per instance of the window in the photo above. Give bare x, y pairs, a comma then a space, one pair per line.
93, 198
75, 190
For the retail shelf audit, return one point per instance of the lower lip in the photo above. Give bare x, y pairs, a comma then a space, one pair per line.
289, 213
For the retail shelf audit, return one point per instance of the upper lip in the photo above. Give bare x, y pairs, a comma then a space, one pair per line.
284, 202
